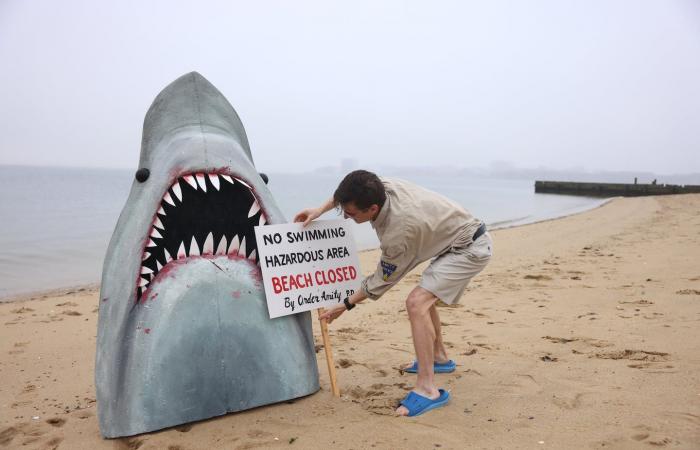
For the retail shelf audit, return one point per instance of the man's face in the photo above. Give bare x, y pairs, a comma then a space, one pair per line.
350, 211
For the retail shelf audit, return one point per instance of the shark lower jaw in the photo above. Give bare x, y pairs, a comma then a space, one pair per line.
202, 215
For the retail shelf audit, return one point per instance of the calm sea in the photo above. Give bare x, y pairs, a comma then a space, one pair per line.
55, 223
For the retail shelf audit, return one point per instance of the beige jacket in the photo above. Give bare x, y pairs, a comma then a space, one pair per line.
414, 225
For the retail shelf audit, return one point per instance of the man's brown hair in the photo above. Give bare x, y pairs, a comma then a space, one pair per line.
361, 187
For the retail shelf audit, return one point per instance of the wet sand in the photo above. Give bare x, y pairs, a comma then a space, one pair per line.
583, 332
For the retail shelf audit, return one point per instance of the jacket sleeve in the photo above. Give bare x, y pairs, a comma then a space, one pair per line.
395, 262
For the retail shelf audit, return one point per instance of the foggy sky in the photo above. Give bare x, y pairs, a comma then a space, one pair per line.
603, 85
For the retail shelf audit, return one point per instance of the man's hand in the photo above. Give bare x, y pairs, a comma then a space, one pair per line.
308, 215
331, 314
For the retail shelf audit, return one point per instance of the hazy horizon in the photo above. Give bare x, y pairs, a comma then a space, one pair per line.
551, 85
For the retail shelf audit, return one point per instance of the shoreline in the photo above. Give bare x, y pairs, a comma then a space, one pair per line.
95, 285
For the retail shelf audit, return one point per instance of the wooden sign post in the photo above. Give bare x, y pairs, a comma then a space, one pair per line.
329, 354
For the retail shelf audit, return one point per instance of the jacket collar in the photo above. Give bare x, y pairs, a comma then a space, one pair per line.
383, 213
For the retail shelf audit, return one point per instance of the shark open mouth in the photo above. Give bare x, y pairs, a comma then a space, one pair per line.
201, 214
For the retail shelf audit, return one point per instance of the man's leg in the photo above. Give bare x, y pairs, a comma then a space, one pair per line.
418, 306
439, 351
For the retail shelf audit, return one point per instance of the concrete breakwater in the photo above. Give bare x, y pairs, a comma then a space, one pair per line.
612, 189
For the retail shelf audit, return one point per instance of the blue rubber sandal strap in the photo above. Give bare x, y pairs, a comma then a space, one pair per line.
416, 404
413, 368
446, 367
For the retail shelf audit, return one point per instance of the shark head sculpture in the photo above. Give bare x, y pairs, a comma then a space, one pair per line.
183, 330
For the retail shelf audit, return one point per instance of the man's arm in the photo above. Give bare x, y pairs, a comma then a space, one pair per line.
333, 313
310, 214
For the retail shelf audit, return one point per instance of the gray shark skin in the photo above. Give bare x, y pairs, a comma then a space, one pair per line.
184, 333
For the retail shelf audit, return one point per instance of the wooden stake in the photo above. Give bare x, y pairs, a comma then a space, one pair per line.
329, 354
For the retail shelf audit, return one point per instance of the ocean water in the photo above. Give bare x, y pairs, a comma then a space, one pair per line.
55, 223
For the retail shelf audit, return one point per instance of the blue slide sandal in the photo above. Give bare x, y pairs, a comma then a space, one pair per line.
447, 367
416, 404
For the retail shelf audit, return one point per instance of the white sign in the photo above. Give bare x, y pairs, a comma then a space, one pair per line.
306, 268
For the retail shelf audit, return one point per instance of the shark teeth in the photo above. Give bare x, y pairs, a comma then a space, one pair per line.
214, 179
190, 180
233, 247
201, 182
188, 190
208, 247
223, 245
254, 208
177, 190
194, 248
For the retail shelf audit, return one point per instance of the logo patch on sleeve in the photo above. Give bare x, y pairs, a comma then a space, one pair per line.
387, 269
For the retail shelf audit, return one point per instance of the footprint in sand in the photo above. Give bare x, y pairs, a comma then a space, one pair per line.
259, 434
84, 414
647, 359
130, 443
56, 422
522, 385
350, 330
344, 363
27, 433
358, 392
568, 403
53, 443
7, 435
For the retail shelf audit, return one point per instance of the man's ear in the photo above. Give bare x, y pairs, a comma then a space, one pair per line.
374, 210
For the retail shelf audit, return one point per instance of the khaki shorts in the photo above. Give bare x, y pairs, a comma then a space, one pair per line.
449, 274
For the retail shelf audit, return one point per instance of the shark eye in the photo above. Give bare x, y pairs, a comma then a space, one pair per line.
264, 177
142, 175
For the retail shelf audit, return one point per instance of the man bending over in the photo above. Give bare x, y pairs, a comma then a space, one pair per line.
413, 225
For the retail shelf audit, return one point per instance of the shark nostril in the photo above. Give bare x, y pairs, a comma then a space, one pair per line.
142, 175
264, 177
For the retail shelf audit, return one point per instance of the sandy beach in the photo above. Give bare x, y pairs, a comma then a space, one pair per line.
583, 332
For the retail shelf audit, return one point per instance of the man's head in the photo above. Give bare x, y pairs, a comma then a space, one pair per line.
360, 195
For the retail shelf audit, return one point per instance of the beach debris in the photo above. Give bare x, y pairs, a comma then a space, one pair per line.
537, 277
634, 355
688, 292
558, 340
